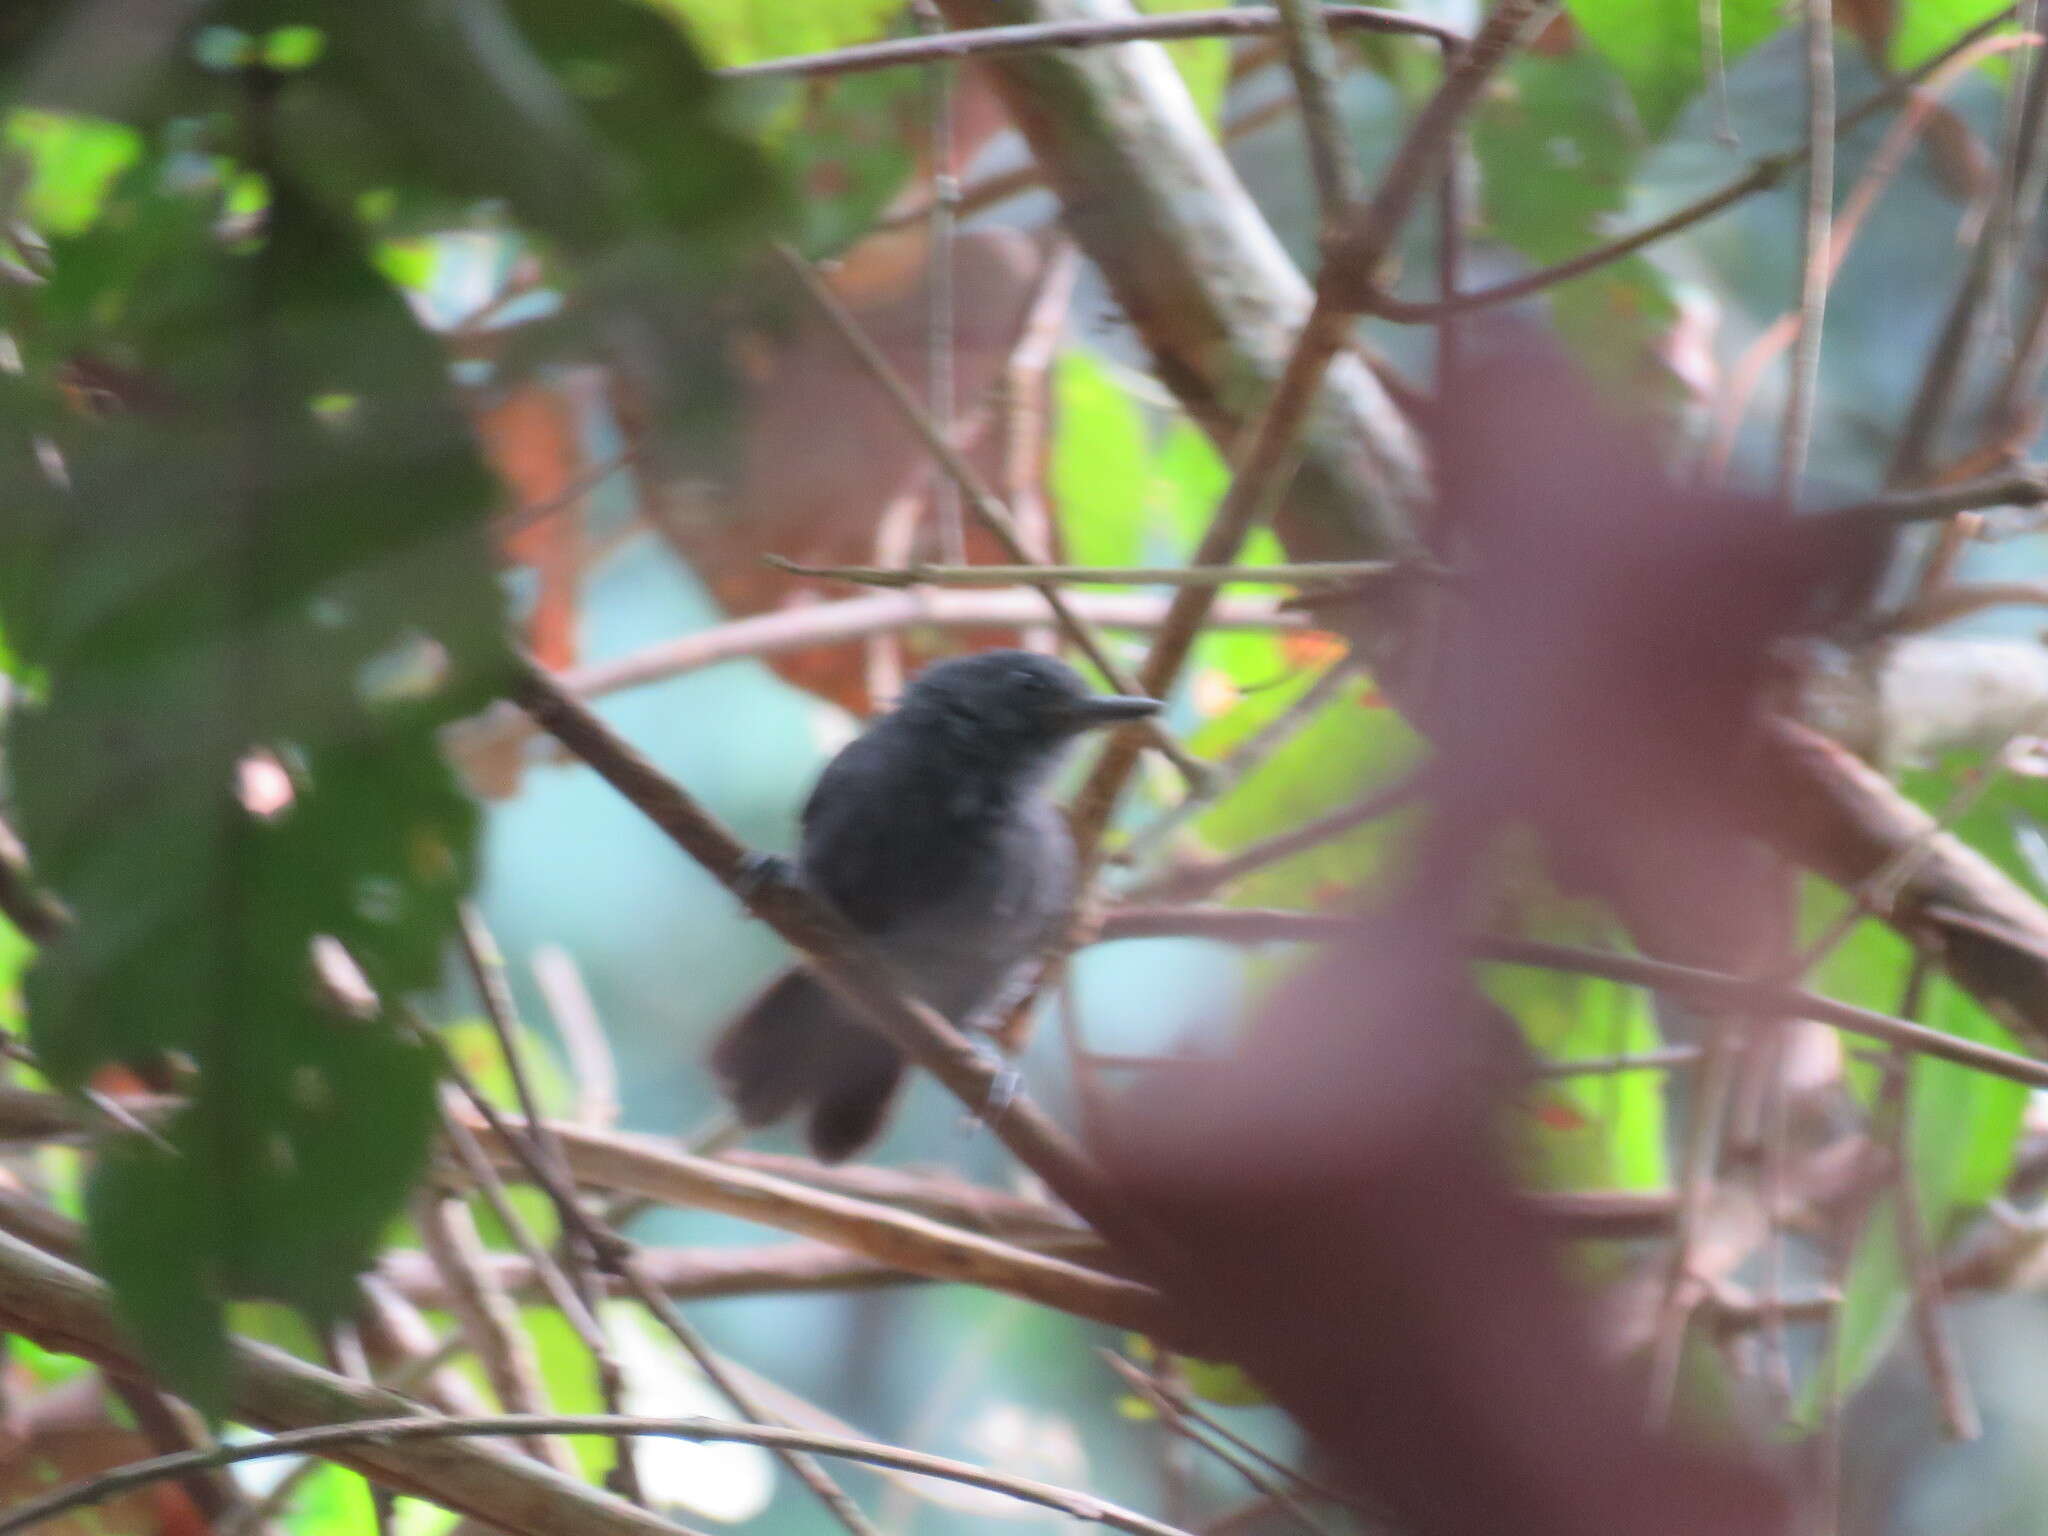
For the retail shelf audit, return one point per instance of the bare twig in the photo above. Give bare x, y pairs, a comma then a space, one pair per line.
487, 1317
574, 1011
1312, 60
1352, 255
981, 500
1709, 989
1879, 174
795, 629
895, 1238
1919, 441
686, 1274
1250, 21
1304, 574
538, 1151
576, 1276
1169, 1411
1683, 1290
1767, 172
1193, 882
64, 1309
1241, 762
389, 1431
1815, 269
38, 914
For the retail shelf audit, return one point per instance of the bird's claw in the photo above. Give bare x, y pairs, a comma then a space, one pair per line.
759, 871
1004, 1085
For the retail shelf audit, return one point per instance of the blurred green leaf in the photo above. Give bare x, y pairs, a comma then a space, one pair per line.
1965, 1136
1101, 470
1556, 148
1203, 62
1349, 747
244, 590
1925, 27
744, 31
71, 162
1603, 1131
1656, 46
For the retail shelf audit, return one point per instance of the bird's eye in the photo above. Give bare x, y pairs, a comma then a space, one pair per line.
1030, 680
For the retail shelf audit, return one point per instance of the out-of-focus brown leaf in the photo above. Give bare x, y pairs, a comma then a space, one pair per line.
825, 451
1871, 22
1609, 647
1351, 1242
64, 1435
1329, 1205
533, 441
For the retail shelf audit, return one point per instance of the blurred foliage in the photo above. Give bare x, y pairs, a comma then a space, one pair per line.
273, 542
259, 587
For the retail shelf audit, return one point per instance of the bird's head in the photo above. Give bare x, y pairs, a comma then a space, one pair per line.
1014, 706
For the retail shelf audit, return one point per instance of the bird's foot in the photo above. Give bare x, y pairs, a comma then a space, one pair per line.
759, 871
1004, 1085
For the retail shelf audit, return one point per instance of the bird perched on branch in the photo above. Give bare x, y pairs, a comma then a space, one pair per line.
932, 834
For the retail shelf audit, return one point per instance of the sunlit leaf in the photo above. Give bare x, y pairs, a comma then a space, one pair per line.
1350, 747
1656, 45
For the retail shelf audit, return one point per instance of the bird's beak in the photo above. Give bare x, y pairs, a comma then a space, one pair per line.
1110, 709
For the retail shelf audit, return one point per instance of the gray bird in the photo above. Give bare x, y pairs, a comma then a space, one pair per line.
932, 834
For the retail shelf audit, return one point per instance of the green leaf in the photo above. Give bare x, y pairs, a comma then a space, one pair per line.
744, 31
1556, 147
1352, 746
1603, 1131
1656, 46
1101, 463
1925, 27
272, 562
1965, 1136
1204, 62
72, 161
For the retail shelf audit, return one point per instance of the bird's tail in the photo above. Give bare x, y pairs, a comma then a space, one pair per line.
796, 1046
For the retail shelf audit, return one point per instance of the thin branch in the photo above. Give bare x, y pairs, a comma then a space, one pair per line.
1250, 21
1670, 1058
1353, 252
1959, 1418
921, 575
488, 1319
535, 1148
837, 955
795, 629
1254, 1476
486, 966
1312, 60
62, 1308
1710, 989
591, 1064
1074, 1505
1815, 268
1767, 172
981, 499
1879, 174
685, 1274
1683, 1291
1241, 762
898, 1239
1198, 880
1919, 443
38, 914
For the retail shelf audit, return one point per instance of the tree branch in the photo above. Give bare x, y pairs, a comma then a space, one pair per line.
62, 1308
398, 1431
944, 47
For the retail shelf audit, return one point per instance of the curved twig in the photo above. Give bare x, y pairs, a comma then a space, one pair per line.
1076, 1506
